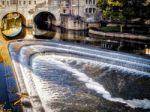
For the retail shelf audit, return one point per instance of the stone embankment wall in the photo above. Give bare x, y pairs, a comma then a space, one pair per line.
119, 35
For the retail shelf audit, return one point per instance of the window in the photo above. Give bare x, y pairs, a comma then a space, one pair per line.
90, 1
94, 10
24, 2
7, 3
94, 2
86, 1
90, 10
35, 2
3, 2
29, 2
64, 11
19, 2
86, 10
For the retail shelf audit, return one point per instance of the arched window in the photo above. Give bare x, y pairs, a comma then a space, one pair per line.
7, 3
86, 1
30, 2
19, 2
90, 1
90, 10
86, 10
24, 2
3, 2
94, 10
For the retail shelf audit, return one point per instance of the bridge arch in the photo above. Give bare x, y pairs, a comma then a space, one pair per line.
12, 24
5, 12
15, 12
44, 20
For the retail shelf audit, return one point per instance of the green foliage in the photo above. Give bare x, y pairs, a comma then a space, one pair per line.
106, 13
124, 10
107, 7
132, 8
102, 3
114, 3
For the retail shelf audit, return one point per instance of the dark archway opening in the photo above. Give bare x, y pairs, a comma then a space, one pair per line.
45, 25
45, 21
13, 26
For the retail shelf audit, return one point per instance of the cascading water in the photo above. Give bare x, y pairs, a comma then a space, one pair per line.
67, 77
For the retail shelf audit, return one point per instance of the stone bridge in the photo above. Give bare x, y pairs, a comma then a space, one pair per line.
70, 15
29, 10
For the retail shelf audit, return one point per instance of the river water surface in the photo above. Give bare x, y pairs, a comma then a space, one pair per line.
70, 77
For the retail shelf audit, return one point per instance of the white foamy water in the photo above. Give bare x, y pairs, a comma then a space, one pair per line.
102, 52
43, 91
134, 65
88, 81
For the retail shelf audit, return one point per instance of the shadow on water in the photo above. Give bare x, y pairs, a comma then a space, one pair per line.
20, 34
4, 98
8, 89
122, 45
3, 87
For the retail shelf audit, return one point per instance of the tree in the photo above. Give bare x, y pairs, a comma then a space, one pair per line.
125, 10
110, 8
132, 9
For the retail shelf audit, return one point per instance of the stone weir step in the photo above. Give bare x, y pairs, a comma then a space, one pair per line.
24, 52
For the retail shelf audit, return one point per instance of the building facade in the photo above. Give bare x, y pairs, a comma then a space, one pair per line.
84, 8
70, 14
78, 14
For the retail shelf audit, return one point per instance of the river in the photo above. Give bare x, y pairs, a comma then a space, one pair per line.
82, 37
62, 77
79, 86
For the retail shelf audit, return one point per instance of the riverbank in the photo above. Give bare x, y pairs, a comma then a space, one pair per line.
118, 35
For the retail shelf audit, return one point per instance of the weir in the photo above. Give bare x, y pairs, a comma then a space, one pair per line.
67, 77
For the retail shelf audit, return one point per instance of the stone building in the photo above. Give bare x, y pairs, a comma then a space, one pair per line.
70, 14
84, 8
78, 14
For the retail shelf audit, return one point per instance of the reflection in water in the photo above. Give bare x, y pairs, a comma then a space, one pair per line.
4, 54
3, 93
147, 51
40, 34
59, 34
123, 45
7, 88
